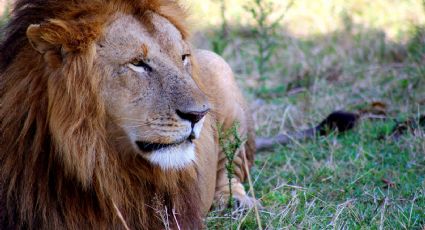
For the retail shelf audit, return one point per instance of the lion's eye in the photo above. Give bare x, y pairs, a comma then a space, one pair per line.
140, 66
185, 59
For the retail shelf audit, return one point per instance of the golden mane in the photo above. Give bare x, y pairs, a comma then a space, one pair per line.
58, 170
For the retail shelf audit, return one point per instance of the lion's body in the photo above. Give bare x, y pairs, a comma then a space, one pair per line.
77, 120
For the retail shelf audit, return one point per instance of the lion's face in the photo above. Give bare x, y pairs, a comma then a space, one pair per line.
155, 107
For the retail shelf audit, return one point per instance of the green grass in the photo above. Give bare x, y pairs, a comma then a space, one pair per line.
354, 181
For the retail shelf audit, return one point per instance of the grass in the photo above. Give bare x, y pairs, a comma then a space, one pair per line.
354, 180
324, 61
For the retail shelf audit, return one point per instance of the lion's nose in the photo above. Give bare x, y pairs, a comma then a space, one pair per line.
192, 116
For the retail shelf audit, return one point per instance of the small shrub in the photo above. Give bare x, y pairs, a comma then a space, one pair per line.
416, 46
265, 37
230, 141
220, 40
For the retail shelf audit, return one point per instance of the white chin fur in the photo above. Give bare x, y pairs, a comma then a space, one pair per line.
198, 127
176, 157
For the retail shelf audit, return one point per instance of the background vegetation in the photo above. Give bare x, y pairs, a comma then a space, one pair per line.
296, 62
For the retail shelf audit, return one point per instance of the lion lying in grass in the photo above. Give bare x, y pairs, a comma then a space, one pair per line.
109, 118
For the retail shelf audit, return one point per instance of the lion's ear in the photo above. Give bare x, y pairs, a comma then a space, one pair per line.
35, 37
39, 40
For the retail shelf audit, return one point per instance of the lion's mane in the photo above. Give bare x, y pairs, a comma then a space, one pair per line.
58, 170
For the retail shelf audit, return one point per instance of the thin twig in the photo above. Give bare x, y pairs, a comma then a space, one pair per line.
175, 219
119, 214
251, 190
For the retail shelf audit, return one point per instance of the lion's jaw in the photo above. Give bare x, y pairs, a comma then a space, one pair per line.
176, 157
149, 92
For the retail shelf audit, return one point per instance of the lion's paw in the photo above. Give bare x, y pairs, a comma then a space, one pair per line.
240, 198
245, 202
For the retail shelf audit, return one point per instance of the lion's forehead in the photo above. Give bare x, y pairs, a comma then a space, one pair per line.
166, 32
127, 37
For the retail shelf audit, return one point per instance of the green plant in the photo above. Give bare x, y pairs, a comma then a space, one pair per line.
220, 41
230, 141
218, 44
265, 36
415, 47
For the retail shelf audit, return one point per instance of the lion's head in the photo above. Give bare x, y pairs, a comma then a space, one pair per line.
148, 90
141, 72
99, 99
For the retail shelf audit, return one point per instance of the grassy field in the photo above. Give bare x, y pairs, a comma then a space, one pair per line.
353, 181
327, 56
323, 56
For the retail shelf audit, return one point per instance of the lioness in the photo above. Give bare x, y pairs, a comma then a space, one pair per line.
109, 118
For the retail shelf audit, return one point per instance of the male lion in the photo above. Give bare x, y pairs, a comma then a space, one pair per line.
109, 118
